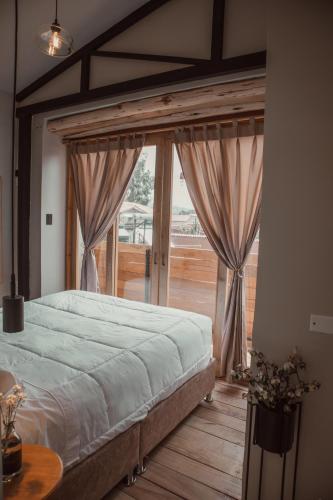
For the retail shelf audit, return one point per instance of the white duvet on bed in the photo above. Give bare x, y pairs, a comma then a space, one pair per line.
92, 365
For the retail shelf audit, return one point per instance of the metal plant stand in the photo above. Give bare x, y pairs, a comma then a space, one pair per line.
283, 457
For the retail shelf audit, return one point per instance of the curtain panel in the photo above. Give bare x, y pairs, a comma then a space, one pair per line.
101, 173
223, 171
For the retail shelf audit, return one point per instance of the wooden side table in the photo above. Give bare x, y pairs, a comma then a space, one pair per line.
41, 474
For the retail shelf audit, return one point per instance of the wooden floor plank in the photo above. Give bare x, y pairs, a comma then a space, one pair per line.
224, 483
144, 489
117, 494
232, 411
180, 484
230, 397
238, 387
207, 449
217, 430
219, 418
237, 391
202, 459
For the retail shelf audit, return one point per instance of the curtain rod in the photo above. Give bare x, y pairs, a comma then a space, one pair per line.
245, 116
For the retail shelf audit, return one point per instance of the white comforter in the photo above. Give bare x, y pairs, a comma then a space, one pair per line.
92, 365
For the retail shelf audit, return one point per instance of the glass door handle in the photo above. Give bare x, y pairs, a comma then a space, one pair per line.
155, 258
163, 259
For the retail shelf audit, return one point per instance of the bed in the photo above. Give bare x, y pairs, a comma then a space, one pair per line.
107, 379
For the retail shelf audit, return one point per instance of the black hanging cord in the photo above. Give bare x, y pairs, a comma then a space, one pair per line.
56, 13
12, 278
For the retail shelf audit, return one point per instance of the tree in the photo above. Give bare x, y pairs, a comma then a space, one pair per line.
141, 185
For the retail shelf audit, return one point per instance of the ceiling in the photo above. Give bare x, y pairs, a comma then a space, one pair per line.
84, 19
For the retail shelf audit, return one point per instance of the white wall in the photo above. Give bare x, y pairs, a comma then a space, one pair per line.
5, 171
53, 201
296, 239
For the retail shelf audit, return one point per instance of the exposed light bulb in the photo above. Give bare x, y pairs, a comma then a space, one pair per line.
55, 40
51, 50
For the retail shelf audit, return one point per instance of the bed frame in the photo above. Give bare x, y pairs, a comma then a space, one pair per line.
124, 456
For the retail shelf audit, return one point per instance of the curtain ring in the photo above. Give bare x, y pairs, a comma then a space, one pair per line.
252, 124
235, 127
205, 132
191, 129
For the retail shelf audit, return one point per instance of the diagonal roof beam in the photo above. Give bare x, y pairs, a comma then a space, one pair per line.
148, 57
189, 73
112, 32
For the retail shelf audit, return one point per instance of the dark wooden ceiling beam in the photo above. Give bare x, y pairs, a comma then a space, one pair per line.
105, 37
217, 30
85, 74
191, 73
148, 57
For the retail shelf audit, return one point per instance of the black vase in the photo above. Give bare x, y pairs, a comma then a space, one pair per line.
11, 455
274, 429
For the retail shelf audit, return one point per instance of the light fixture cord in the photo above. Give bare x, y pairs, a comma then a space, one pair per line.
56, 13
12, 279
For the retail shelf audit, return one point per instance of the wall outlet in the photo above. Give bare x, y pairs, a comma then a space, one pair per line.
321, 324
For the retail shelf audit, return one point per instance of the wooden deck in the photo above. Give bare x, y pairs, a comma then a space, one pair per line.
202, 459
193, 275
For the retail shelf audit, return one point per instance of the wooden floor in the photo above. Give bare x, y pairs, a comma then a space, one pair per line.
202, 459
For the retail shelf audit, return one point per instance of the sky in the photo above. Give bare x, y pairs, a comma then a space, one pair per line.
180, 194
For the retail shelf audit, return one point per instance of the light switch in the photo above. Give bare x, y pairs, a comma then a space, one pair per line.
321, 324
49, 219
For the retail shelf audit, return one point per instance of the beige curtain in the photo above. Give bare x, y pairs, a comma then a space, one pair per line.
101, 173
224, 177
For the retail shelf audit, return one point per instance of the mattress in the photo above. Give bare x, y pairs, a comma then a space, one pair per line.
92, 365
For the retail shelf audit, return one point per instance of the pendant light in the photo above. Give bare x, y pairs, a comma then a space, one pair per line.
13, 306
54, 40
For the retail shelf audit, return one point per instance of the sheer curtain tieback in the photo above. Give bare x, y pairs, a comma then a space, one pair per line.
222, 168
101, 173
239, 271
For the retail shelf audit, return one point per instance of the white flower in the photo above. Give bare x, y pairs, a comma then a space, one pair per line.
288, 366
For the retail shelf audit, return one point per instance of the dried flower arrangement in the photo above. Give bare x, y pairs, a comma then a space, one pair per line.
9, 405
276, 387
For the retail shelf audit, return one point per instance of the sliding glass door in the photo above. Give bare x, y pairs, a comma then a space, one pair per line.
135, 227
124, 258
157, 251
193, 263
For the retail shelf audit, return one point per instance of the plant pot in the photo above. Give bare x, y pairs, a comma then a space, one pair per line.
274, 429
11, 455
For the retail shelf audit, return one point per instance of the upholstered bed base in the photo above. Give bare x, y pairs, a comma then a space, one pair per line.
95, 476
164, 417
92, 478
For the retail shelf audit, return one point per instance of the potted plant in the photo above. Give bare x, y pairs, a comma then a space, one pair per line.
11, 443
276, 391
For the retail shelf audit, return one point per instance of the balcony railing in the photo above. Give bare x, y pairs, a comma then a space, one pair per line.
192, 277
